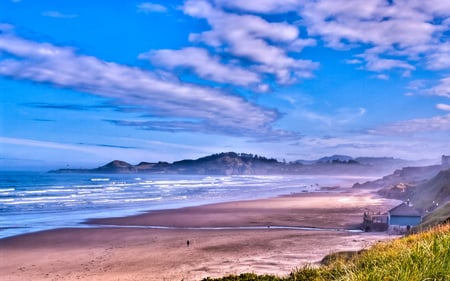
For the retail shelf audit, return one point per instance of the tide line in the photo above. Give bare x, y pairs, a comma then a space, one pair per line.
268, 227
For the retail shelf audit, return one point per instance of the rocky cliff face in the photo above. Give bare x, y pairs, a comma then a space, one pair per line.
408, 176
425, 187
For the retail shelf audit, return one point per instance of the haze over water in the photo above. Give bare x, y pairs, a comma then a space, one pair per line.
31, 201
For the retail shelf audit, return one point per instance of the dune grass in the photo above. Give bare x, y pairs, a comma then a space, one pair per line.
419, 257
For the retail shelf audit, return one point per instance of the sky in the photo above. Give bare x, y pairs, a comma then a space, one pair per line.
86, 82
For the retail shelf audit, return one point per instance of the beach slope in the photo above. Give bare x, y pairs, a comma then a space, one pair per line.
227, 238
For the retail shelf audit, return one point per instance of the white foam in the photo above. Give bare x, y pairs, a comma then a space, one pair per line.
100, 179
77, 197
142, 199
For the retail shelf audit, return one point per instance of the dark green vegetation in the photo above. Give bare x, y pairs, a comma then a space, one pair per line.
423, 256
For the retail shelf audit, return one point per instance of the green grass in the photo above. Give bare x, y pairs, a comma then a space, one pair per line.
418, 257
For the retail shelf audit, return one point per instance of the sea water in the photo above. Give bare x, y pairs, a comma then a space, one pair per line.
32, 201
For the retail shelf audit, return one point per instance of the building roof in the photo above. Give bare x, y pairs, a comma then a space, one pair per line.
404, 210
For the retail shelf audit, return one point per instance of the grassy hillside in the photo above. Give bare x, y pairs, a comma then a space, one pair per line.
423, 196
438, 216
436, 189
423, 256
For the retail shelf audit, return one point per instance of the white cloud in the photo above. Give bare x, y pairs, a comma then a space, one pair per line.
382, 76
405, 31
353, 61
299, 44
361, 111
420, 125
443, 106
203, 64
397, 34
431, 87
348, 115
417, 84
440, 58
148, 7
376, 63
207, 109
254, 39
442, 89
374, 21
58, 15
263, 88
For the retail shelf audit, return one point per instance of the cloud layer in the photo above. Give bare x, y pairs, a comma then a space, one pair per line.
392, 34
252, 46
195, 107
203, 64
262, 43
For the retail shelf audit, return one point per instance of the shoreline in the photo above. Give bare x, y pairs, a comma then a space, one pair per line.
135, 251
123, 196
265, 211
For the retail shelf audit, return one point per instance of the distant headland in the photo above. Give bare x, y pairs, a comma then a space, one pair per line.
232, 163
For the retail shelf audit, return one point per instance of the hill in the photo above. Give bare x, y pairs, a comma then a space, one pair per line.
425, 195
439, 216
117, 166
336, 159
432, 193
232, 163
228, 163
368, 161
407, 176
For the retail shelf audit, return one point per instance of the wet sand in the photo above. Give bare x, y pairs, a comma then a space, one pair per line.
127, 249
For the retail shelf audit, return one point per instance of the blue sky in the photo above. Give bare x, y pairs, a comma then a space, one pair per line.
83, 83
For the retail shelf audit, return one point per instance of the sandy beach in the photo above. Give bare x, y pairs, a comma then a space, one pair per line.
130, 249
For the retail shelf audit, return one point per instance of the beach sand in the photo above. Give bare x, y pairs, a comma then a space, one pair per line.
138, 253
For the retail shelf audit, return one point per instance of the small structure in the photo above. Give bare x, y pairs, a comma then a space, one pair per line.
402, 217
375, 221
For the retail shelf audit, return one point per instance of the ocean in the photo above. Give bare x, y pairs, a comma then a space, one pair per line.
33, 201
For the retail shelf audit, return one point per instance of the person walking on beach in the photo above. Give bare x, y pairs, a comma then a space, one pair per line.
187, 243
